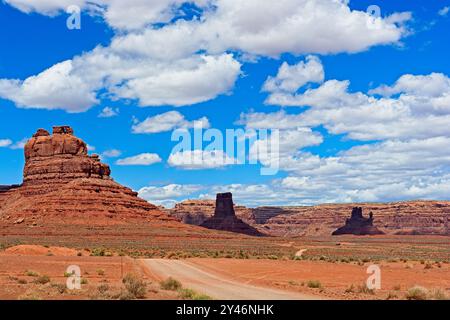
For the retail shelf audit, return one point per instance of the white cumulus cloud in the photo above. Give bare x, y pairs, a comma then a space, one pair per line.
188, 61
166, 122
143, 159
108, 112
200, 159
5, 143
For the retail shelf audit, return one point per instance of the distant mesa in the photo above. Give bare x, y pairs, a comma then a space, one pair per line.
358, 224
225, 219
394, 218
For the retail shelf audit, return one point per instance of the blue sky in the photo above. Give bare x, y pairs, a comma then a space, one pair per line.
380, 137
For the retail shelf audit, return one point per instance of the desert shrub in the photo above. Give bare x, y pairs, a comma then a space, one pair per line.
22, 281
61, 288
189, 294
68, 274
42, 279
314, 284
84, 281
79, 254
31, 273
125, 295
171, 284
428, 266
98, 252
438, 294
350, 289
103, 288
135, 286
100, 272
364, 289
391, 296
272, 257
417, 293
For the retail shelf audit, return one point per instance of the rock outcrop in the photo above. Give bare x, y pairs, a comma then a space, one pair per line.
63, 184
196, 212
60, 158
225, 219
408, 217
357, 224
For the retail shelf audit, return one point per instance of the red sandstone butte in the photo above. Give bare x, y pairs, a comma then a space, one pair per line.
225, 219
357, 224
62, 183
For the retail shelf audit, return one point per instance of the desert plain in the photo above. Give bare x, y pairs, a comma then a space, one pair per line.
327, 268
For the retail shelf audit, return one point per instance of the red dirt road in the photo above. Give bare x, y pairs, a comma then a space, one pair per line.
216, 285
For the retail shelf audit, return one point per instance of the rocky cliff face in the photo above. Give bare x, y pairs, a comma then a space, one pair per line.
412, 217
62, 183
60, 158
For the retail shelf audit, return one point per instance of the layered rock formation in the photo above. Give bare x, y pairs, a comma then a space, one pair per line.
225, 219
62, 183
196, 212
358, 225
410, 217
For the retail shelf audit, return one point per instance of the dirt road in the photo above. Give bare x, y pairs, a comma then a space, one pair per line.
215, 285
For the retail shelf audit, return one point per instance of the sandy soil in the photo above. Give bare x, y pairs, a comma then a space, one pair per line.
22, 266
335, 278
230, 278
35, 250
215, 284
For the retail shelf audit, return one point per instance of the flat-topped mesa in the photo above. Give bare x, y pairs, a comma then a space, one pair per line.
358, 225
60, 157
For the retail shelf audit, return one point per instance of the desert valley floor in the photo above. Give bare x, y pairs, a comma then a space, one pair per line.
264, 268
